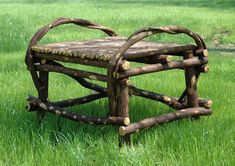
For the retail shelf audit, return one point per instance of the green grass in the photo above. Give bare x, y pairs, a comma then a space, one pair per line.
209, 141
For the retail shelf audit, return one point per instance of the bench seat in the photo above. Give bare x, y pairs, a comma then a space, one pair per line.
104, 49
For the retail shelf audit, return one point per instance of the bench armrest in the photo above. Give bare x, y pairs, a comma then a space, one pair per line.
143, 33
30, 60
60, 21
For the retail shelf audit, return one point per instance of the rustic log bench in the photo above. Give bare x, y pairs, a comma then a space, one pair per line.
115, 53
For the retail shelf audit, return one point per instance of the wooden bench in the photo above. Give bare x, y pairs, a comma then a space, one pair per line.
115, 54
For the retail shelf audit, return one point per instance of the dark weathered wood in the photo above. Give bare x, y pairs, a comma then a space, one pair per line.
79, 101
103, 49
182, 97
76, 117
202, 52
89, 62
89, 85
207, 103
150, 122
191, 82
82, 81
155, 59
196, 61
70, 71
43, 93
31, 107
170, 101
123, 109
202, 69
125, 82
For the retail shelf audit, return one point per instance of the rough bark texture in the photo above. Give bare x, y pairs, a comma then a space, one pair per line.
123, 109
154, 59
170, 101
196, 61
76, 117
191, 82
89, 62
73, 72
43, 93
79, 101
150, 122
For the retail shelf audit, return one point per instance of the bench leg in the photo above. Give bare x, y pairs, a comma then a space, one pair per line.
43, 93
123, 109
191, 83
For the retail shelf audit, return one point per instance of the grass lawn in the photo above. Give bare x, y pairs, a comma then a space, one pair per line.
209, 141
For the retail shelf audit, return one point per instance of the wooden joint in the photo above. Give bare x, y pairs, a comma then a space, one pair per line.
203, 68
202, 52
126, 121
207, 103
164, 59
126, 82
124, 65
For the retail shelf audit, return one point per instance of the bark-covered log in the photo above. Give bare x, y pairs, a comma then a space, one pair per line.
73, 72
191, 82
155, 59
196, 61
125, 82
79, 101
170, 101
89, 62
182, 97
203, 69
89, 85
43, 93
125, 65
82, 81
76, 117
123, 109
150, 122
201, 52
207, 103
